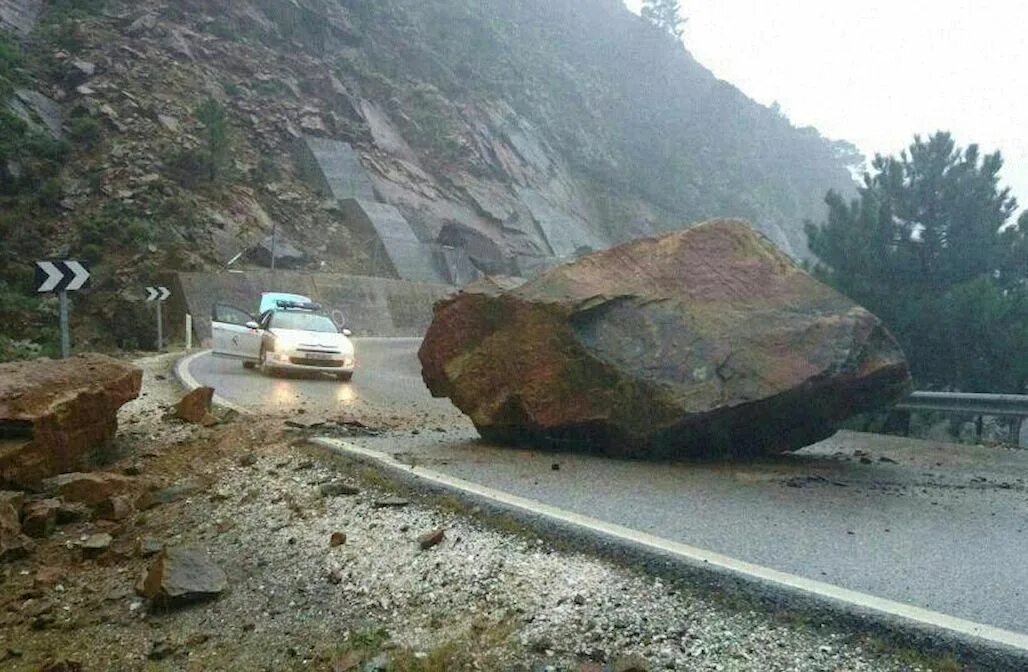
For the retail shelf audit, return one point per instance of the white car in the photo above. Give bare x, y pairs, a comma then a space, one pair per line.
290, 334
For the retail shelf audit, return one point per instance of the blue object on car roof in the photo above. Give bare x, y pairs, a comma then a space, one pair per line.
270, 300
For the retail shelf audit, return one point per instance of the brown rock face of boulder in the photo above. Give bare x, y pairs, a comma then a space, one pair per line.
195, 406
53, 412
703, 342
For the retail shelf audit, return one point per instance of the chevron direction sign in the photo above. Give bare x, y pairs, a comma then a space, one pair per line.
59, 276
157, 294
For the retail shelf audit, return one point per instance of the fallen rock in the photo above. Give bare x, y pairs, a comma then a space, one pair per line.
430, 539
15, 498
391, 503
73, 512
172, 493
13, 544
89, 488
195, 406
118, 507
337, 489
39, 518
708, 341
180, 575
337, 539
55, 412
96, 545
146, 547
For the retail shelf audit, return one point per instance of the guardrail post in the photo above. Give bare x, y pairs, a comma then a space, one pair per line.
189, 332
1015, 431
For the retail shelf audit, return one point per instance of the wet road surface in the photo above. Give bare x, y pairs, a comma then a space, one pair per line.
934, 525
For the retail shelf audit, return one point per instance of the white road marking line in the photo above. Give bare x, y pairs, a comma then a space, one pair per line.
698, 556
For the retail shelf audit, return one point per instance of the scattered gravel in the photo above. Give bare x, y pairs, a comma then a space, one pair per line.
499, 598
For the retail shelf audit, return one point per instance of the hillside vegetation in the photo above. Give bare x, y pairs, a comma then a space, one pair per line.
152, 136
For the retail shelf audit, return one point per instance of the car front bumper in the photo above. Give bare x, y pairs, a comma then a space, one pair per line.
298, 361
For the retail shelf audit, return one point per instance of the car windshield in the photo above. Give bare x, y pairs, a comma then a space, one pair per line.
303, 322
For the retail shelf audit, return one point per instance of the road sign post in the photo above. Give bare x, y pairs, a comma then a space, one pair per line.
62, 300
159, 295
61, 277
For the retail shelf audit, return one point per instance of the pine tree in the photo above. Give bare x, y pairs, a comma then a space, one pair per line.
211, 114
927, 247
664, 14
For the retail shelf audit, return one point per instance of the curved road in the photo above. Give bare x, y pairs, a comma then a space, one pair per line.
932, 525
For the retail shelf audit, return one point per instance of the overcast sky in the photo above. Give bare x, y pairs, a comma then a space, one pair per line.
875, 72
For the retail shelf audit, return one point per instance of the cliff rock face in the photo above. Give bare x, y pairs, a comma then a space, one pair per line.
53, 413
498, 137
708, 341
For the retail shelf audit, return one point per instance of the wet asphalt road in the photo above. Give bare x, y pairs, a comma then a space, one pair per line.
933, 525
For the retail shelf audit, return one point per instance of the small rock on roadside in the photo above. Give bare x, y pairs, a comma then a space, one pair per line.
391, 503
337, 539
195, 406
39, 518
118, 507
430, 539
182, 574
96, 545
336, 489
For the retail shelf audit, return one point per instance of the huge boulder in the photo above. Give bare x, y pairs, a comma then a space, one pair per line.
54, 412
704, 342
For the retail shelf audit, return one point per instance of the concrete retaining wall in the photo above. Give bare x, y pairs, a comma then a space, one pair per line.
368, 306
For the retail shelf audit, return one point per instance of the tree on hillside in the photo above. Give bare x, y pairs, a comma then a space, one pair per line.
929, 247
211, 114
664, 14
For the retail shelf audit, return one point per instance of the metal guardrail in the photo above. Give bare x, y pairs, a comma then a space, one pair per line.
997, 405
1006, 405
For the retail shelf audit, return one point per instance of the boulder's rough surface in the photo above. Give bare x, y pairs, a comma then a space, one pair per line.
182, 574
703, 342
195, 405
53, 412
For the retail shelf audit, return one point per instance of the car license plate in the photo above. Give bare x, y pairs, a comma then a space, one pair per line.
318, 355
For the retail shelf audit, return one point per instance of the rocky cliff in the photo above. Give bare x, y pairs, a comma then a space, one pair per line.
388, 137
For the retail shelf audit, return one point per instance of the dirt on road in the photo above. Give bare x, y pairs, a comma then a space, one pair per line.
330, 567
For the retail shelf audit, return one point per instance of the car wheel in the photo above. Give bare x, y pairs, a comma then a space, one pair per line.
249, 365
345, 377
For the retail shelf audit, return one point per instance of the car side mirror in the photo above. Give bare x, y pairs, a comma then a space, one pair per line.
252, 325
347, 332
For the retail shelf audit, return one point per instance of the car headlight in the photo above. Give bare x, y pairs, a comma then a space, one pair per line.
284, 343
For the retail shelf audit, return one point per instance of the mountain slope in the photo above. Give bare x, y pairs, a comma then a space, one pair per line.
507, 135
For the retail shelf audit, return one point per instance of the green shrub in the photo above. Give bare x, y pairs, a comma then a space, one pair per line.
189, 168
85, 131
